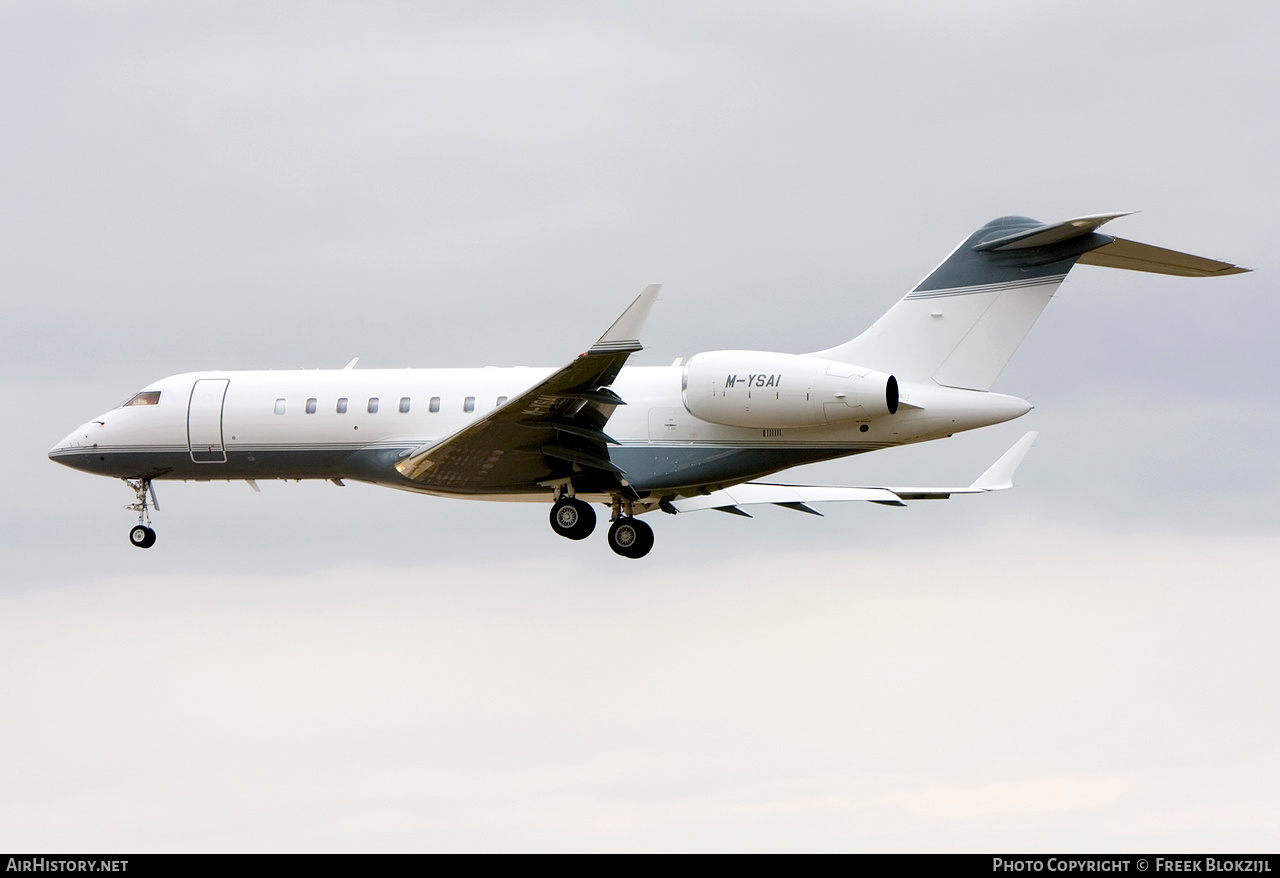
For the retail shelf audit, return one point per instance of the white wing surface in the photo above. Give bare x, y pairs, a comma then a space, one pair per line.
998, 477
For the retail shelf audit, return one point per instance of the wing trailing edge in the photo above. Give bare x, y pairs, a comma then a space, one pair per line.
998, 477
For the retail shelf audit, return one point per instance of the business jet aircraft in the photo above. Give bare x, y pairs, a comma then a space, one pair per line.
680, 438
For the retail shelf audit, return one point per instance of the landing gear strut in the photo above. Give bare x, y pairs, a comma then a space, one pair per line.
572, 518
141, 534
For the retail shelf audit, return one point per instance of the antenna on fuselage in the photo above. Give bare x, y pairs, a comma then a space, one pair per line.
352, 364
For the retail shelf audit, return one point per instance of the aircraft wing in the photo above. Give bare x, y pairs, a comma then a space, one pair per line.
554, 430
998, 477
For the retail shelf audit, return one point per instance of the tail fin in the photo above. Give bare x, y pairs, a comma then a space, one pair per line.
962, 323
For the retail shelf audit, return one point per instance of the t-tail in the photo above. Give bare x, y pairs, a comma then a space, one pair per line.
962, 323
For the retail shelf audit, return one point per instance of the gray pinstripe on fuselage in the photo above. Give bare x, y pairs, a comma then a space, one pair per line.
300, 445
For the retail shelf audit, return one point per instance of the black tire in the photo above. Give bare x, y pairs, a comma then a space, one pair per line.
630, 537
573, 519
143, 537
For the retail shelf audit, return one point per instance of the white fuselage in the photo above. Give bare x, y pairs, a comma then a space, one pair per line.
288, 425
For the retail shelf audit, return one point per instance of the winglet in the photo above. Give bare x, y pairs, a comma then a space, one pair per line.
1000, 475
624, 334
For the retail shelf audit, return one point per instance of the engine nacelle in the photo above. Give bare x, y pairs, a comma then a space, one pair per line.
767, 389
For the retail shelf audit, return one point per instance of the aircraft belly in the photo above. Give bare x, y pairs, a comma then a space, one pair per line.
654, 467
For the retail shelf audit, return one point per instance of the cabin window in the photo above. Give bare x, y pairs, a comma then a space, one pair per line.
434, 405
311, 406
146, 397
469, 404
342, 406
502, 400
280, 406
373, 405
404, 405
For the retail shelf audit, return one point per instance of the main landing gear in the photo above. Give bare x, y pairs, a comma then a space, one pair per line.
572, 518
141, 534
628, 536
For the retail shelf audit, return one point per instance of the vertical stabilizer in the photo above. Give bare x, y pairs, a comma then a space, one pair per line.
962, 323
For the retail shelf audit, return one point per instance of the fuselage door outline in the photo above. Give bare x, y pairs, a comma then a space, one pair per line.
204, 420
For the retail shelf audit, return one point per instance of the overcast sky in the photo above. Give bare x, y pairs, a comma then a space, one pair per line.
1087, 662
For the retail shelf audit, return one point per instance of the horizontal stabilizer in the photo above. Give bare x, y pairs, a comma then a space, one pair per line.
1135, 256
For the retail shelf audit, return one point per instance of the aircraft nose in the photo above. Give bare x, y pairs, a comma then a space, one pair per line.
65, 445
75, 444
62, 452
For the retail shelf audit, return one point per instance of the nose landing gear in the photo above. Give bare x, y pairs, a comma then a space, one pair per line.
141, 534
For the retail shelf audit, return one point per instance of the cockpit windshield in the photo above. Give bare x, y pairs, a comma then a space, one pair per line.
146, 397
